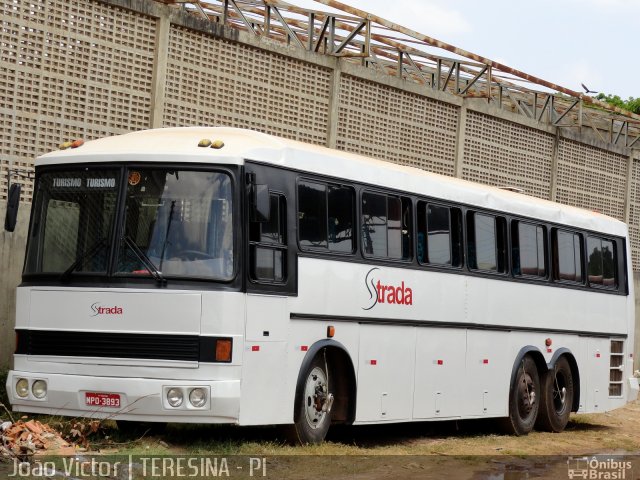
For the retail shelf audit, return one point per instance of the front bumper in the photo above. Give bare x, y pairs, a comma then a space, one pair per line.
141, 399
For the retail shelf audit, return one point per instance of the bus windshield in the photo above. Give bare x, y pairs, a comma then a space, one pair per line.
72, 222
181, 221
175, 223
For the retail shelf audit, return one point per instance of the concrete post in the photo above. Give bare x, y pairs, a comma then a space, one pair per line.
460, 137
160, 70
627, 199
334, 105
553, 190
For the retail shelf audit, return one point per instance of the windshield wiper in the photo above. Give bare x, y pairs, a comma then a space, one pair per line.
64, 276
146, 261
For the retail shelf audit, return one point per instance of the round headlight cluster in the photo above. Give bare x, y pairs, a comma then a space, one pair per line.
39, 389
198, 397
22, 387
175, 397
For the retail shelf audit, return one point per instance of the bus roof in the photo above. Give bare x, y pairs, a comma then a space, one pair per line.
179, 145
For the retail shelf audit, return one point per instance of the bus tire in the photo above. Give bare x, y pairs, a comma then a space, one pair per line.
556, 397
524, 398
312, 422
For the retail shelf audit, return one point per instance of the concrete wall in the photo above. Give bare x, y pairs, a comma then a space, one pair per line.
11, 263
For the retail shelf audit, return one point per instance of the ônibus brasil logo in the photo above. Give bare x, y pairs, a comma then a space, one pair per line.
98, 309
381, 293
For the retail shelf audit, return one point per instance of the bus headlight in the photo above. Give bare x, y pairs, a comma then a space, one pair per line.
175, 397
22, 388
197, 397
39, 389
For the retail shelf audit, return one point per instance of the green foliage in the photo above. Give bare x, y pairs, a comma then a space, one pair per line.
631, 104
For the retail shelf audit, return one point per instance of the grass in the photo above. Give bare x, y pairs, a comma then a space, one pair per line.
4, 399
585, 434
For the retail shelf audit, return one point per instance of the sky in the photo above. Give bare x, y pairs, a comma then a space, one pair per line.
567, 42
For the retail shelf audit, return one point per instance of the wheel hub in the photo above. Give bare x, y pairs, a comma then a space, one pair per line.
318, 400
527, 395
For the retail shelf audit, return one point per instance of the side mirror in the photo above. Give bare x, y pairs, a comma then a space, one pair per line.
13, 202
261, 203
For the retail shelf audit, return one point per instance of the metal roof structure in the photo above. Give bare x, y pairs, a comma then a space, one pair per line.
373, 42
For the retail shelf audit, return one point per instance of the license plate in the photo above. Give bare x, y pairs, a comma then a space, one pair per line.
110, 400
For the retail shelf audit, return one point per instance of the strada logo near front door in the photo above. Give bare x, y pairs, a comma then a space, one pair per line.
380, 292
98, 309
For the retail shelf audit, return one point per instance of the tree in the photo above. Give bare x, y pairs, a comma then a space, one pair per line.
631, 104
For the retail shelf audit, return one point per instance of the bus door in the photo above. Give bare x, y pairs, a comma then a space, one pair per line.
270, 281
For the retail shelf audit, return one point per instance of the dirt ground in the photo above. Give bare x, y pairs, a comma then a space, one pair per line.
592, 446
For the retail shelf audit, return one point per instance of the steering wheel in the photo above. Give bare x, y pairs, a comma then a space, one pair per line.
193, 255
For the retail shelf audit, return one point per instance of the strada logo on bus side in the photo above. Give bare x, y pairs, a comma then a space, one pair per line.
381, 293
98, 309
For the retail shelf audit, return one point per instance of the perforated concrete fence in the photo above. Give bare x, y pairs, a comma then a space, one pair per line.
592, 178
391, 124
634, 213
505, 154
212, 81
70, 70
93, 68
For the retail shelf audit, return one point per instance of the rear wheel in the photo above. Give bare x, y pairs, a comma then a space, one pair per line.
556, 397
313, 411
524, 398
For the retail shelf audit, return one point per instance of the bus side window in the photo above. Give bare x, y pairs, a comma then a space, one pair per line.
486, 236
528, 249
268, 243
567, 256
439, 235
601, 266
386, 226
325, 217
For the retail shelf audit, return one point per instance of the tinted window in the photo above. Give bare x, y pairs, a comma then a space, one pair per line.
325, 217
601, 259
268, 243
568, 256
341, 206
487, 241
439, 234
312, 214
386, 226
529, 249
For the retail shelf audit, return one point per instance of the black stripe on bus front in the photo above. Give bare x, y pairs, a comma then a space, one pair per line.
434, 323
150, 346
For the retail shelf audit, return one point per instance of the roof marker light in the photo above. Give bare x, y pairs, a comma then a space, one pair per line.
64, 145
205, 142
217, 144
77, 143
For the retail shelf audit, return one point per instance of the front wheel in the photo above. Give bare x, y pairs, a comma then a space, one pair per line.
524, 401
313, 410
556, 397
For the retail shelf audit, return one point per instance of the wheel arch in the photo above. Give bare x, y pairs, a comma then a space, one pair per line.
575, 373
341, 374
537, 357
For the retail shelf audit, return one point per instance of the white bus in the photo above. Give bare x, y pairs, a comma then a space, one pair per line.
219, 275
